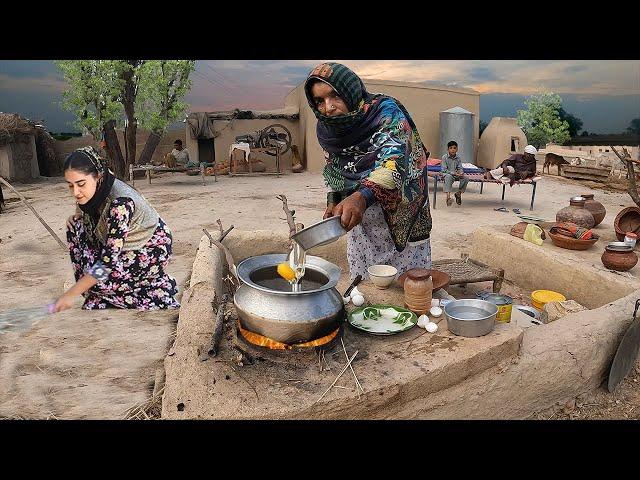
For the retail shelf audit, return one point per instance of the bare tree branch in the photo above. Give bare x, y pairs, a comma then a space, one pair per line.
632, 187
288, 213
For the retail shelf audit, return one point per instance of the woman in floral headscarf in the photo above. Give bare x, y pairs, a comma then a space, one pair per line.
373, 170
119, 245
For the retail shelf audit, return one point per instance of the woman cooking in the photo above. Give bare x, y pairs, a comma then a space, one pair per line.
119, 245
373, 155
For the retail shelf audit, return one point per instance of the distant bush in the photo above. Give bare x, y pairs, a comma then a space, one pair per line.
65, 135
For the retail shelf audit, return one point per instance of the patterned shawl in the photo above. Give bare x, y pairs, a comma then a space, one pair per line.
376, 145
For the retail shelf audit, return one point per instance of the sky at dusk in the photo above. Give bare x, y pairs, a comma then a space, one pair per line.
604, 94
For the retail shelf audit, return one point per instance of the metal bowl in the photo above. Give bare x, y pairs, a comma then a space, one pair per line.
619, 246
321, 233
470, 317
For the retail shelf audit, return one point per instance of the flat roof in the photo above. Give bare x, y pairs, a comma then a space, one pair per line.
424, 85
398, 83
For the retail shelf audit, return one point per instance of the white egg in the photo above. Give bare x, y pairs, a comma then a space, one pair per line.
435, 302
356, 292
422, 321
435, 311
346, 299
431, 327
357, 300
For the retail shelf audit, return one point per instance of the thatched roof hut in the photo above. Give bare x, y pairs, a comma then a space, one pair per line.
18, 156
14, 128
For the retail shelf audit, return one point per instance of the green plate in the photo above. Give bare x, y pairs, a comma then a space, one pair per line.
381, 325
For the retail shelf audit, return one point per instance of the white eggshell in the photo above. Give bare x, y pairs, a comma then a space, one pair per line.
355, 292
435, 302
435, 311
431, 327
346, 299
357, 300
423, 320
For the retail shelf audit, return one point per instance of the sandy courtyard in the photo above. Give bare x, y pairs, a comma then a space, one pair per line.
91, 364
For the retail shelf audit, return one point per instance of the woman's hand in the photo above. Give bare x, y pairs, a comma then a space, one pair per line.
63, 303
70, 221
328, 213
351, 210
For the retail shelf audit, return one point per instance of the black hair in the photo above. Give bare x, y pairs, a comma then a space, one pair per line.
178, 141
452, 144
81, 162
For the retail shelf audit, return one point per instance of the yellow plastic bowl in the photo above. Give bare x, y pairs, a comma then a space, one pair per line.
540, 297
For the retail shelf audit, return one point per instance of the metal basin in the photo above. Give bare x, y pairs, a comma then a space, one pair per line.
266, 305
321, 233
470, 317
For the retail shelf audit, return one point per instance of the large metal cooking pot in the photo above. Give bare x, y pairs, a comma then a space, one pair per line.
470, 317
266, 305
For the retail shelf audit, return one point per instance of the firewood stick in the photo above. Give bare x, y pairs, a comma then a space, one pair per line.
338, 377
290, 221
227, 254
24, 200
217, 328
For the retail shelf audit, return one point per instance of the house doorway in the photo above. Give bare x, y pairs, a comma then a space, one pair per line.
515, 144
206, 150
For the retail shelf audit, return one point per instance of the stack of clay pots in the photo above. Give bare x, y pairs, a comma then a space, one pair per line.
576, 213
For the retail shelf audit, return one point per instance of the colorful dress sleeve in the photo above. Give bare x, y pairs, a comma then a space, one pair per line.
118, 223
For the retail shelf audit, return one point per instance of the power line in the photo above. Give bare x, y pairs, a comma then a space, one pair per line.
225, 91
225, 79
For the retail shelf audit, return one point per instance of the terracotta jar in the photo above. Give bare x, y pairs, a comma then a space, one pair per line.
576, 213
596, 208
620, 258
418, 290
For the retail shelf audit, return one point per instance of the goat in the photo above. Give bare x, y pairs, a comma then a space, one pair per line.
553, 159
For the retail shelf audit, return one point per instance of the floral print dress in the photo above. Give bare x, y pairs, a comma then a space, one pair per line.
126, 279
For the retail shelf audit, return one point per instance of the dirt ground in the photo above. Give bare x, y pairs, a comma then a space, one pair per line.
81, 364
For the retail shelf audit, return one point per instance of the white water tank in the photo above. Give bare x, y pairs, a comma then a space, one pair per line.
457, 124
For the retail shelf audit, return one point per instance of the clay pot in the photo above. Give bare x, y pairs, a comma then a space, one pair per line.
628, 220
619, 260
596, 208
576, 213
418, 290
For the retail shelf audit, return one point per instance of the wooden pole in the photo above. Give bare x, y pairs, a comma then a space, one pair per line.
24, 200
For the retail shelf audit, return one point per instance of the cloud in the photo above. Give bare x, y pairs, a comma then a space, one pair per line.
482, 74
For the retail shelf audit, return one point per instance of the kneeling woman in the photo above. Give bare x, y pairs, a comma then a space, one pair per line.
119, 244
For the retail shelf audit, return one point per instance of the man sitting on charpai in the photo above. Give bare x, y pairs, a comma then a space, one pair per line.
519, 166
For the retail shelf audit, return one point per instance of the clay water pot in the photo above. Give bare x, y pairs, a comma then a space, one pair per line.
418, 290
619, 258
576, 213
596, 208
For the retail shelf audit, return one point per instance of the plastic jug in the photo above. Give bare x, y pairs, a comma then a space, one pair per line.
533, 234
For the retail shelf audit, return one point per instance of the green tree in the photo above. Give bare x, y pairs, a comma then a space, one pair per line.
634, 126
163, 84
541, 121
93, 96
106, 93
575, 124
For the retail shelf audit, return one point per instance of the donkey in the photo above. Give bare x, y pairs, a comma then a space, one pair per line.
553, 159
